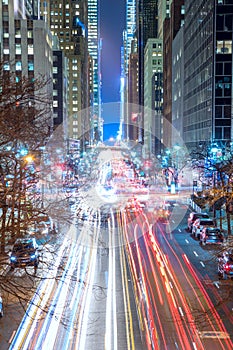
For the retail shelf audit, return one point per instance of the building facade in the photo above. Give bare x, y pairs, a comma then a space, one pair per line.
68, 21
94, 49
153, 93
208, 72
26, 48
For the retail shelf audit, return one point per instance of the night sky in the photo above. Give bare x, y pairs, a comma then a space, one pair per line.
112, 24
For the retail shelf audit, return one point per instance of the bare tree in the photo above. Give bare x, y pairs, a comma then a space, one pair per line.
215, 167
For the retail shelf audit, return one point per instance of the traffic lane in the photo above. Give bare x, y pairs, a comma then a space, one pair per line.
204, 259
143, 263
110, 316
190, 253
174, 326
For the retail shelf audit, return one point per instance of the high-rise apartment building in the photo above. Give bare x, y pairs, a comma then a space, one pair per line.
69, 22
147, 27
153, 94
26, 46
208, 100
130, 28
171, 26
94, 49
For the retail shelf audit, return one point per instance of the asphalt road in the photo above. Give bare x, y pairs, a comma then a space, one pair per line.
181, 304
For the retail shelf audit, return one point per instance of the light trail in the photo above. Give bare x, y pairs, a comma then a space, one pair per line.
24, 333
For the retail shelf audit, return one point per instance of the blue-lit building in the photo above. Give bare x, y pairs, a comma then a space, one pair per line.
208, 32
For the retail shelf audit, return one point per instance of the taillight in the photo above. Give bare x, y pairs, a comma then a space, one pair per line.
227, 267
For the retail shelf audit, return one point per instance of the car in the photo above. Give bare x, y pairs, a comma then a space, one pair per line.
162, 215
199, 224
193, 216
25, 252
211, 235
225, 264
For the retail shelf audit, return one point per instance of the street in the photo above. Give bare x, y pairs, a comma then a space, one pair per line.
127, 282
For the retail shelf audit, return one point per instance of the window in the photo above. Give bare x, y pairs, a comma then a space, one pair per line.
30, 49
218, 112
224, 46
227, 68
219, 69
6, 66
18, 65
227, 133
30, 66
18, 49
17, 33
218, 133
30, 34
227, 112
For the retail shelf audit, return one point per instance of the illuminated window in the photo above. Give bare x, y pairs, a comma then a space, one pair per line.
18, 33
18, 65
30, 34
6, 66
224, 46
18, 49
30, 49
30, 66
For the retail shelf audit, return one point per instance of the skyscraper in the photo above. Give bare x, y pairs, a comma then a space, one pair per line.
94, 48
68, 21
147, 27
26, 46
130, 28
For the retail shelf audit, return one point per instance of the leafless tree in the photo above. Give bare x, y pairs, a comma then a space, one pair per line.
215, 167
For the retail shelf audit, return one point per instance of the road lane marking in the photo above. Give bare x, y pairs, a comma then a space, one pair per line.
216, 284
181, 312
195, 253
187, 241
202, 264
